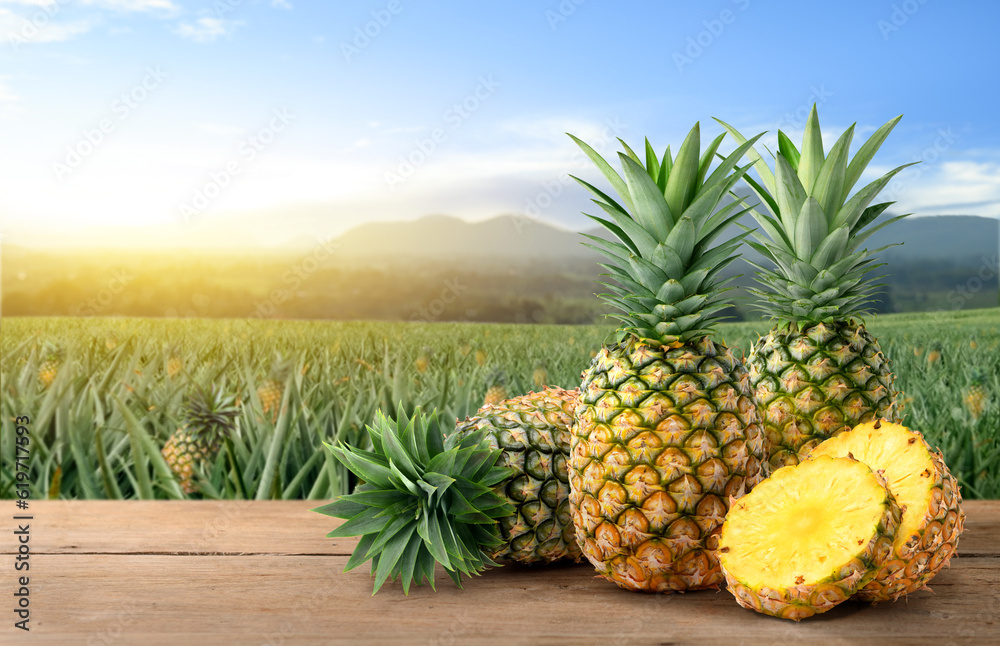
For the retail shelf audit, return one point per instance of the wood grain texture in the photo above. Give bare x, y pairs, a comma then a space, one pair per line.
169, 572
272, 527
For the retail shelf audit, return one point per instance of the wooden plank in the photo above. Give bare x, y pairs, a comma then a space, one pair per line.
182, 527
261, 599
272, 527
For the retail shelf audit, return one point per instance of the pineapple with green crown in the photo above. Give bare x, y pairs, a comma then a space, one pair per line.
496, 391
47, 371
818, 372
975, 398
175, 364
273, 389
667, 432
209, 415
494, 490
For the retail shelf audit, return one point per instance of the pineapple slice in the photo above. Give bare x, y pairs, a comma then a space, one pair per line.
922, 485
808, 537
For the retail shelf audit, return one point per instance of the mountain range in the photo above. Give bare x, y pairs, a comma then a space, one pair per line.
958, 238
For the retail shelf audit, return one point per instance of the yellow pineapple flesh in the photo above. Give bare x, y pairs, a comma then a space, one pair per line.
929, 495
807, 538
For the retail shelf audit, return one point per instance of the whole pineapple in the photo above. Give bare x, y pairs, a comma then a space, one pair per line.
809, 537
975, 398
174, 362
273, 389
427, 498
666, 432
533, 433
47, 371
818, 372
540, 376
208, 416
496, 390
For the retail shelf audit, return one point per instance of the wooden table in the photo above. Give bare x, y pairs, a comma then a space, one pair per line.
264, 573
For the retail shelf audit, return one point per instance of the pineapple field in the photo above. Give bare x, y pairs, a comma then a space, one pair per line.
105, 396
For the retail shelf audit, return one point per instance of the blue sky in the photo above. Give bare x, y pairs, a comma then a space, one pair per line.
287, 113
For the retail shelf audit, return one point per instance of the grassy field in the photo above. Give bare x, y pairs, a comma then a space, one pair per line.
115, 395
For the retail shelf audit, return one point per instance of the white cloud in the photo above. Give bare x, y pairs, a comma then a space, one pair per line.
948, 188
38, 26
206, 29
132, 6
281, 4
31, 3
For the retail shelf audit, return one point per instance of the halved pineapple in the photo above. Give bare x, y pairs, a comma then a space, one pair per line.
808, 537
922, 485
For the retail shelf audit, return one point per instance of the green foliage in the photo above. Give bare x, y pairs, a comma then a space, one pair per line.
664, 267
810, 231
424, 500
97, 429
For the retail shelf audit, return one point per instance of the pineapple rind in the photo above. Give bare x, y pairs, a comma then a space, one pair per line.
533, 433
815, 381
183, 449
664, 438
270, 393
807, 597
931, 527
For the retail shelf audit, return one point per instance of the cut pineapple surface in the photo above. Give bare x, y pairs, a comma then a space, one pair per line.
916, 475
904, 460
808, 537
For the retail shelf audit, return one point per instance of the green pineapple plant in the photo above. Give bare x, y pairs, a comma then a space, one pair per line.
272, 389
49, 368
209, 416
496, 388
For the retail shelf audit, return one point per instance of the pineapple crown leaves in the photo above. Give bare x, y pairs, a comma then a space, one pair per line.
812, 228
425, 500
280, 368
496, 377
210, 411
53, 352
665, 266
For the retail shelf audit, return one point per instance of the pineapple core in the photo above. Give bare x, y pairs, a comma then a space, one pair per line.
901, 457
802, 525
